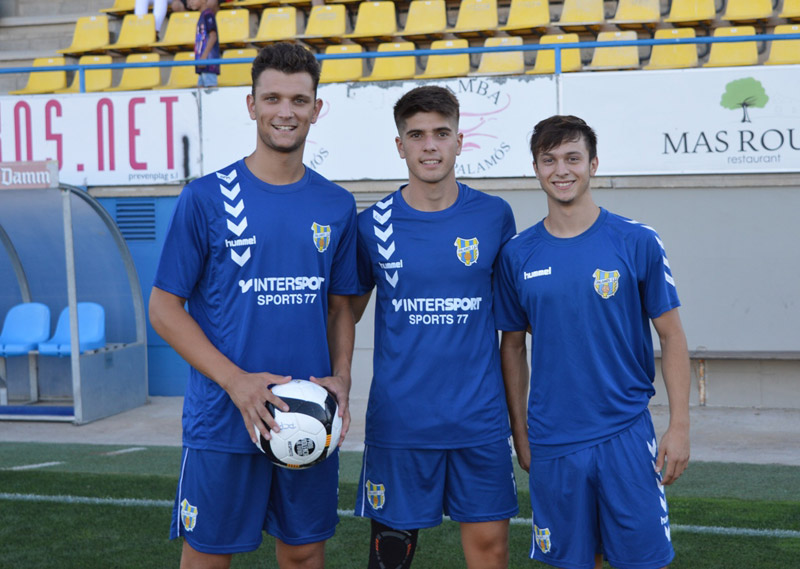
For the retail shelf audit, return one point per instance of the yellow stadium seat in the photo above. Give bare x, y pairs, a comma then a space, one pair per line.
637, 14
733, 53
790, 10
677, 56
376, 21
234, 74
581, 15
747, 11
233, 27
277, 24
426, 20
340, 70
691, 12
476, 19
248, 3
138, 33
90, 36
546, 58
181, 76
325, 26
120, 8
137, 78
527, 17
393, 68
501, 62
44, 81
784, 52
615, 57
455, 65
180, 32
96, 79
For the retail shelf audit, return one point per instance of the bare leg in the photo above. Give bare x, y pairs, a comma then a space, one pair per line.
485, 544
193, 559
307, 556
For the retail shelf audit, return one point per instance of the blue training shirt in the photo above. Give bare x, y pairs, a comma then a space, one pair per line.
256, 263
589, 300
436, 372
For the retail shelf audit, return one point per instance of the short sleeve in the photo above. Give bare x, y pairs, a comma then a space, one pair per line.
185, 249
508, 312
366, 279
343, 279
658, 286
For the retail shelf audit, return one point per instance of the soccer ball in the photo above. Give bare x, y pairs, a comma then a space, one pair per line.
310, 430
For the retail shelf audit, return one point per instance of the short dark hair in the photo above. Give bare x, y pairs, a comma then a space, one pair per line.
426, 99
287, 58
556, 130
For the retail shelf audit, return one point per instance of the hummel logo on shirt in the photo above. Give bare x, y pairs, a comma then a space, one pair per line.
540, 273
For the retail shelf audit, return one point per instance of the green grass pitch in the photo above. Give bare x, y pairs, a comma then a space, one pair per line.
93, 506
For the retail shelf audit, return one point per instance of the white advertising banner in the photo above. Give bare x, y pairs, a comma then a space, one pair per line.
130, 138
697, 121
732, 120
354, 136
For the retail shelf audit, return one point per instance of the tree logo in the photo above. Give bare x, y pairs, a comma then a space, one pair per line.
744, 93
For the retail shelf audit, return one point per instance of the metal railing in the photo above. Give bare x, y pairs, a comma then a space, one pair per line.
557, 48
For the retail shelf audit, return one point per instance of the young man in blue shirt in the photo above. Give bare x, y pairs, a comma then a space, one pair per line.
587, 283
437, 422
262, 253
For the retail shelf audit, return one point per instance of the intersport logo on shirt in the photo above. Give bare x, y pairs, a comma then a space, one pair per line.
281, 284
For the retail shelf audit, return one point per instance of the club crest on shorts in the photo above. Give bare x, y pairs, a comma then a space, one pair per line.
467, 250
322, 236
188, 515
542, 537
376, 494
606, 283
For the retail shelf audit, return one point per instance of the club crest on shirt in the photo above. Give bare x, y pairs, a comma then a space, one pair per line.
322, 236
188, 515
606, 283
376, 494
542, 537
467, 250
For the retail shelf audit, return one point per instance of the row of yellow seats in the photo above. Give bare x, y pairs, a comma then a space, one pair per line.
667, 56
537, 12
327, 24
133, 78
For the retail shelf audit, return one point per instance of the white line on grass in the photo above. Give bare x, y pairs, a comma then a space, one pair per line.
85, 500
33, 466
124, 451
745, 532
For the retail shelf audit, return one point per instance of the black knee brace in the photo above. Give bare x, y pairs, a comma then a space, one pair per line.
391, 548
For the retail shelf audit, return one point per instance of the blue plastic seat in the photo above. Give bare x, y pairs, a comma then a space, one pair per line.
24, 327
91, 331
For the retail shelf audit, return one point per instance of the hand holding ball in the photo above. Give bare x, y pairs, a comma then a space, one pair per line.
310, 430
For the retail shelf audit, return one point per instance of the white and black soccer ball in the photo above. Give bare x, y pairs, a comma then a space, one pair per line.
310, 430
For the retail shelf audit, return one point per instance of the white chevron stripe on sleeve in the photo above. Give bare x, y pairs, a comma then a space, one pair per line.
240, 259
237, 228
234, 210
383, 235
229, 194
382, 219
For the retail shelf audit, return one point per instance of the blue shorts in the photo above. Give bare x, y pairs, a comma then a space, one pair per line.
410, 488
607, 498
225, 501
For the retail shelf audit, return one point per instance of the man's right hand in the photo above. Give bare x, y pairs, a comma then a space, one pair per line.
250, 392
